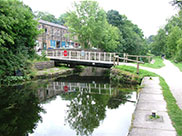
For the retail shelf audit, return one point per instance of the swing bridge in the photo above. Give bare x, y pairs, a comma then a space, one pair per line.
87, 58
92, 58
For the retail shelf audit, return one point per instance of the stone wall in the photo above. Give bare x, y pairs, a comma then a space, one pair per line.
44, 65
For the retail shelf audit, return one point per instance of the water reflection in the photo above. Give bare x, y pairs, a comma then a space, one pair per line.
66, 106
88, 99
19, 110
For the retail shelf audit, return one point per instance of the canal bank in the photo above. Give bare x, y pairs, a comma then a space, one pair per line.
82, 104
173, 110
151, 101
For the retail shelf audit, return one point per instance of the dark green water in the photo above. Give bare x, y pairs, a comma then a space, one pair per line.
67, 106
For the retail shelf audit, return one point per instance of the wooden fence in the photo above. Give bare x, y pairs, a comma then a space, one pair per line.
137, 57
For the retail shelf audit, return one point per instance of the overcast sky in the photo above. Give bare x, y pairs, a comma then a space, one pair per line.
149, 15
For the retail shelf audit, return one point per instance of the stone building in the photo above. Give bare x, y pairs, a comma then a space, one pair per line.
54, 36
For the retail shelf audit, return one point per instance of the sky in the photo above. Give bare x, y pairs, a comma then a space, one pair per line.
149, 15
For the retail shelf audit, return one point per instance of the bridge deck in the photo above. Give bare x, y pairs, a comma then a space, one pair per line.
100, 59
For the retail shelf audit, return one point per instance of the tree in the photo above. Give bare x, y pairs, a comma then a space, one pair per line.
88, 22
172, 40
178, 55
20, 110
177, 3
158, 46
131, 37
110, 39
46, 16
17, 36
62, 18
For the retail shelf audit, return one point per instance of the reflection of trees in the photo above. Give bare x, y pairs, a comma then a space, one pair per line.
86, 111
121, 98
20, 109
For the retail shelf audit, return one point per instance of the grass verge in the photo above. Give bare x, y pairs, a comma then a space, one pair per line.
179, 65
174, 111
157, 64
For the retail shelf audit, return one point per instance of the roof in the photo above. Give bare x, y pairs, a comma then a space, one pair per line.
51, 24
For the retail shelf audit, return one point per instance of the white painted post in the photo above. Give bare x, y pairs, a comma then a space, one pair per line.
104, 56
110, 57
89, 56
89, 88
69, 54
99, 89
85, 55
79, 55
95, 56
53, 53
70, 87
99, 56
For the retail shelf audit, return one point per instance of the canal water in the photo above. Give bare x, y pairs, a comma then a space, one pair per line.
76, 105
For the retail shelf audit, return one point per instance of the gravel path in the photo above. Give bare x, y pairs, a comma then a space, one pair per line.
172, 76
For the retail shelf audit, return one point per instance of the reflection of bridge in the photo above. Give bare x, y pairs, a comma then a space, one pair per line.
56, 88
88, 58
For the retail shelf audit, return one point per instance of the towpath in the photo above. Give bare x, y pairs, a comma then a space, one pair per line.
151, 98
172, 76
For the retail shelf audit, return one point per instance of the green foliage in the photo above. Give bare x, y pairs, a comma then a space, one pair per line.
177, 3
110, 39
50, 18
133, 70
158, 46
174, 111
172, 40
130, 37
62, 18
168, 40
89, 24
17, 39
19, 110
157, 64
177, 64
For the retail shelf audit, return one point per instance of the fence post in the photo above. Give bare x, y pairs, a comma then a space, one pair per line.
89, 56
117, 60
137, 68
110, 57
114, 60
69, 54
149, 59
126, 57
99, 56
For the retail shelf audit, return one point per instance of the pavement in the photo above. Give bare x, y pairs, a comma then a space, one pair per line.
172, 76
151, 98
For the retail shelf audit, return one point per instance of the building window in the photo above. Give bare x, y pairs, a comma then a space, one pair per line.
45, 30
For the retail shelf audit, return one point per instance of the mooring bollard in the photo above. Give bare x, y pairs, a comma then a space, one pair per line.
154, 113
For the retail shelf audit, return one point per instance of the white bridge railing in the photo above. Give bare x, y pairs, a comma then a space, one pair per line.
81, 55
